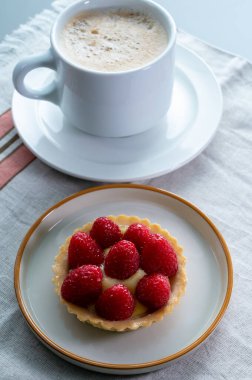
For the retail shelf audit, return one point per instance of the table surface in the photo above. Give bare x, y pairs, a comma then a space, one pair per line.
225, 24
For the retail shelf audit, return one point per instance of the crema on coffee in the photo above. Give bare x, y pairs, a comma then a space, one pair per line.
113, 40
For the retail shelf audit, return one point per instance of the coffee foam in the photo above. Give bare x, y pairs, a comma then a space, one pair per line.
113, 40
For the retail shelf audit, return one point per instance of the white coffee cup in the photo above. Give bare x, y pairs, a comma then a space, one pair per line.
108, 104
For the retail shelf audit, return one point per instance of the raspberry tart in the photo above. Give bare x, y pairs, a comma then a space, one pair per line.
120, 273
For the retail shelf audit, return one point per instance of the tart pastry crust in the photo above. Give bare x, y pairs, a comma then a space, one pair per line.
178, 282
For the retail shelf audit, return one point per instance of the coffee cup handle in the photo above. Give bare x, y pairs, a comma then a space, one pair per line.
47, 92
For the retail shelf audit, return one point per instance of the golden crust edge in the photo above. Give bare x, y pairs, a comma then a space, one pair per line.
85, 315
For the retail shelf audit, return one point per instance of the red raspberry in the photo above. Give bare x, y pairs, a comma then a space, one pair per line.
115, 303
137, 233
153, 291
82, 285
122, 260
158, 256
105, 232
83, 250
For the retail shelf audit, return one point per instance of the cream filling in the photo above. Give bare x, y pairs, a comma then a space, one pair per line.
130, 283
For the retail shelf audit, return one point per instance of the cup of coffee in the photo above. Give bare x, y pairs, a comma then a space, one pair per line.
114, 64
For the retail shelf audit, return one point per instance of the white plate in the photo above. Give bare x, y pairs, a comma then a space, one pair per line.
185, 131
209, 271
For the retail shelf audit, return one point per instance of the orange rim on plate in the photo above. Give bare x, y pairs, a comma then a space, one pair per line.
86, 361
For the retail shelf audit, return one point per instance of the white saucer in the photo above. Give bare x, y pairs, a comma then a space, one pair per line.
186, 130
209, 286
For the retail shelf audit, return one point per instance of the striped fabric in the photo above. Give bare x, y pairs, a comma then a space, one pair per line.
14, 156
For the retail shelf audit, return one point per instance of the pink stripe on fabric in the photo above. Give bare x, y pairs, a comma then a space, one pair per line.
14, 163
6, 123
